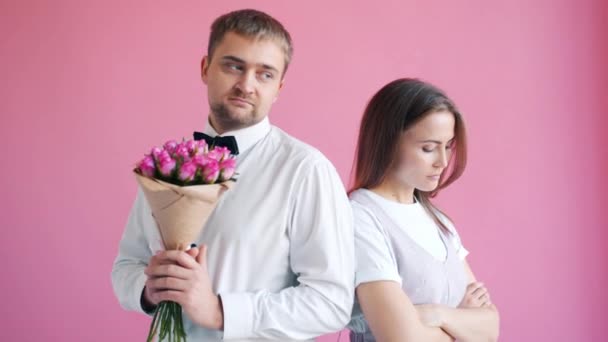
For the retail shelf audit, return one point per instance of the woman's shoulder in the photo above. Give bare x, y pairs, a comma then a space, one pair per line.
363, 213
446, 221
454, 236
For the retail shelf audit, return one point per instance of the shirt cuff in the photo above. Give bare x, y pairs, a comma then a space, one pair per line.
149, 310
136, 292
369, 275
238, 315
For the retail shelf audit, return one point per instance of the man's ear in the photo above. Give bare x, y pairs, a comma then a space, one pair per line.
279, 91
204, 68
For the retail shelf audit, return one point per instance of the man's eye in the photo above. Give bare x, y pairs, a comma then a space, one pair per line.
234, 67
267, 76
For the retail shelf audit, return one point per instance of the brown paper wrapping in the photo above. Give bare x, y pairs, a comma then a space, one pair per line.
180, 211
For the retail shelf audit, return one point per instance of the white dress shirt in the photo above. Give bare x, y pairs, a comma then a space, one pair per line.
280, 244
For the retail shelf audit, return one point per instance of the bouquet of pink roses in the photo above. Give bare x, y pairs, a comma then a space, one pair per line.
182, 182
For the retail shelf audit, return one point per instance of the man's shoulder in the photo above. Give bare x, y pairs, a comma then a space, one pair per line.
296, 149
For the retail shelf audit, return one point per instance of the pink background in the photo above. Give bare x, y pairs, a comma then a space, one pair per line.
87, 88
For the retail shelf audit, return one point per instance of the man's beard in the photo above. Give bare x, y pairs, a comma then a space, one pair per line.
228, 120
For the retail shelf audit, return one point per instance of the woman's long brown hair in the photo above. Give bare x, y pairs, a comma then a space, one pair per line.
392, 110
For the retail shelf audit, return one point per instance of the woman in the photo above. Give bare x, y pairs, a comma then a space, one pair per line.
413, 282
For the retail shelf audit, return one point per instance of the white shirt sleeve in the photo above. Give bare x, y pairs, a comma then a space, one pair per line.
460, 250
321, 256
455, 238
373, 251
128, 278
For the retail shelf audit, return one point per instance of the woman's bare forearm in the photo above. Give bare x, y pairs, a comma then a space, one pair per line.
471, 324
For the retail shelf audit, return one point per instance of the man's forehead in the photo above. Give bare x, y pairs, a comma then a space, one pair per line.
251, 50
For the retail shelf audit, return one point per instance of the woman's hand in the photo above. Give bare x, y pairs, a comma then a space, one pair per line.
476, 296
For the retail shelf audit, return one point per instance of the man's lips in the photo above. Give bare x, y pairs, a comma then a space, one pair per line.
239, 101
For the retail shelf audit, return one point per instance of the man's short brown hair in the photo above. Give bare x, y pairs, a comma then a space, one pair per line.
254, 24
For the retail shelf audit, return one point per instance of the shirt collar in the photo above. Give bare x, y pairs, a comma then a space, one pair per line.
245, 137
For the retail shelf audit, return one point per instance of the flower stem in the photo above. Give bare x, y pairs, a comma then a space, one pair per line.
155, 324
168, 322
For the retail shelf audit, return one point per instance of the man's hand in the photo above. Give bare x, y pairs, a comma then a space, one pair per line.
182, 277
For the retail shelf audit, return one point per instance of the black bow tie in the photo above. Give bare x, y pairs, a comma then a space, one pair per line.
228, 141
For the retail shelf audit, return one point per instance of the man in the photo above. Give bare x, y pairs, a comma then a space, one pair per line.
276, 255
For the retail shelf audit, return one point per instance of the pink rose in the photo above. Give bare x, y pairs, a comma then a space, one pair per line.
219, 153
215, 155
156, 151
187, 171
166, 164
210, 171
181, 152
146, 166
227, 167
202, 147
224, 152
188, 162
202, 160
192, 146
170, 146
